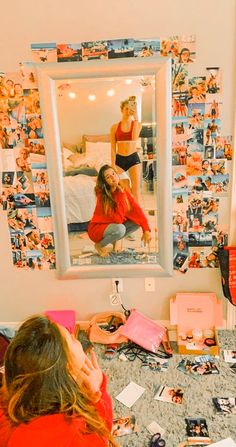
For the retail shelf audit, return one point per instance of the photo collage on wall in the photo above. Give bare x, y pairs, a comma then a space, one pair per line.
24, 183
200, 154
200, 168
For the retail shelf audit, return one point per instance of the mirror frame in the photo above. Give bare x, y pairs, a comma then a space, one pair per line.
161, 68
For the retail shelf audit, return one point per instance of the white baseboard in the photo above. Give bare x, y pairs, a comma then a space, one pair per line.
84, 325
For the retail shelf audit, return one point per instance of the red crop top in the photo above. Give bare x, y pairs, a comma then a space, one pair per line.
124, 136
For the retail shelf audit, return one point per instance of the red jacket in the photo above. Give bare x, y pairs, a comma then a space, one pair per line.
55, 430
100, 220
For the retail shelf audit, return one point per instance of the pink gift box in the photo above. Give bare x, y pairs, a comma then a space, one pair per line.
196, 311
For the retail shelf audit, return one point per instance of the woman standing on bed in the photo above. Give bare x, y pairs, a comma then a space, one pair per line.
124, 136
116, 214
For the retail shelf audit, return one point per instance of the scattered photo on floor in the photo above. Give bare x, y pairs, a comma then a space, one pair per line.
124, 426
169, 394
225, 404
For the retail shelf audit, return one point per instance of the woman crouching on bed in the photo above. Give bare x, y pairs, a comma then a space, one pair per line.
116, 214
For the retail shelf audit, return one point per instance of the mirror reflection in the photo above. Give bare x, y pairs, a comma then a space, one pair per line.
111, 212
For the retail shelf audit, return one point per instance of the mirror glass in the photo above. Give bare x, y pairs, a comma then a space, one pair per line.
87, 109
80, 104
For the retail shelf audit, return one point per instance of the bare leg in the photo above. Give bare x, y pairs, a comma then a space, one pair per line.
125, 183
102, 251
117, 246
135, 174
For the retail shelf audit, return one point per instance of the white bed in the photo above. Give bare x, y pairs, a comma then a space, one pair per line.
80, 171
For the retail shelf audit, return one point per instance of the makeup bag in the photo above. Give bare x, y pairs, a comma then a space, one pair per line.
143, 331
105, 328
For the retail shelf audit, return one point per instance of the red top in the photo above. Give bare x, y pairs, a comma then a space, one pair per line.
55, 430
100, 220
124, 136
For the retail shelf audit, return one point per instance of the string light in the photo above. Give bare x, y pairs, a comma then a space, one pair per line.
110, 92
72, 95
128, 81
92, 97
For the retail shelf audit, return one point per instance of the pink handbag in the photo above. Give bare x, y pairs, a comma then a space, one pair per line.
143, 331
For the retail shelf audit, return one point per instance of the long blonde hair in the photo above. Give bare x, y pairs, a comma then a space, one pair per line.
38, 382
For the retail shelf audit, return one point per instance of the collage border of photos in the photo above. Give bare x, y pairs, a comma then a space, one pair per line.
200, 154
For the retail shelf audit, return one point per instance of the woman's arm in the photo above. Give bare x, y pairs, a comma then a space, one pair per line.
137, 124
113, 144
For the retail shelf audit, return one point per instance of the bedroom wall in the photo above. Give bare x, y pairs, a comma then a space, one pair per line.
80, 116
22, 292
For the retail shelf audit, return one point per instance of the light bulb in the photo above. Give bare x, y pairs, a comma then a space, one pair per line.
72, 95
128, 81
92, 97
110, 92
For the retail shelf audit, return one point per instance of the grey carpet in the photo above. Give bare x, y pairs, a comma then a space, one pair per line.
197, 397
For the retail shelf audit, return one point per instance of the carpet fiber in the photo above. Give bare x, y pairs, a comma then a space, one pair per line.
197, 401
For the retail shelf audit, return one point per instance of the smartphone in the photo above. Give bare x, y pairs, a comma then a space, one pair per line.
82, 336
132, 102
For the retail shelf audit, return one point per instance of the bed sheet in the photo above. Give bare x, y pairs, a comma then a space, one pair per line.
80, 198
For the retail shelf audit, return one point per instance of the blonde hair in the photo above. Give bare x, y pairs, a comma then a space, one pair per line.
124, 103
36, 365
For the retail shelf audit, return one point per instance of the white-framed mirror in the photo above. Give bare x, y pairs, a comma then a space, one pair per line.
74, 257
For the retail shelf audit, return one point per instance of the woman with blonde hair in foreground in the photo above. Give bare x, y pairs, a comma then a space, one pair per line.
52, 394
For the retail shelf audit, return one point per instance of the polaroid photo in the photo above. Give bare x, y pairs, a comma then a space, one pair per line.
196, 114
213, 108
169, 394
130, 394
7, 161
197, 89
179, 177
179, 154
19, 259
179, 79
94, 50
69, 52
120, 48
180, 200
124, 426
44, 52
180, 243
36, 146
213, 80
229, 355
146, 47
32, 104
170, 47
28, 77
224, 147
187, 49
224, 443
225, 405
24, 200
179, 104
197, 431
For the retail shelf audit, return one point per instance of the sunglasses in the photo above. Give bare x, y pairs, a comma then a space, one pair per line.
157, 441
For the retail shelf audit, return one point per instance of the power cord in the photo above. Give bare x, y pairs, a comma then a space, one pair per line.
126, 311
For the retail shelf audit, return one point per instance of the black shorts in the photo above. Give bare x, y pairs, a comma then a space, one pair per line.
126, 162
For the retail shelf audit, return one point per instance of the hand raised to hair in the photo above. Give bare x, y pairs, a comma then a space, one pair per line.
92, 376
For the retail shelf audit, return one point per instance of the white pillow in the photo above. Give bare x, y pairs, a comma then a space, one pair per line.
66, 153
100, 151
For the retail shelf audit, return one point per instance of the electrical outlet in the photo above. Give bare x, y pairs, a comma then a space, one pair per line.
114, 299
117, 287
149, 284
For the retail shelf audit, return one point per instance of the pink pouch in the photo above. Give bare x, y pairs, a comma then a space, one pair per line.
143, 331
64, 317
